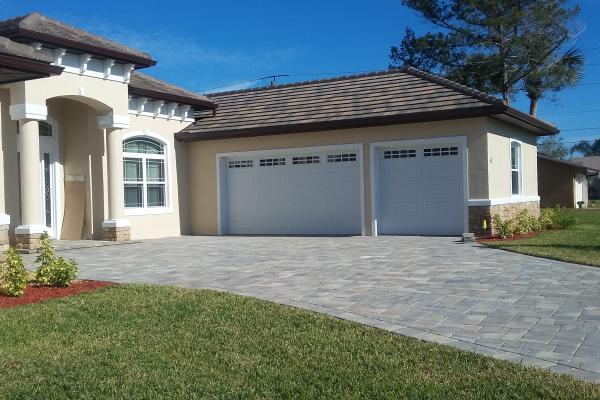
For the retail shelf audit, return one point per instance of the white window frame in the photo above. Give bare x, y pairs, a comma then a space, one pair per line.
519, 168
166, 157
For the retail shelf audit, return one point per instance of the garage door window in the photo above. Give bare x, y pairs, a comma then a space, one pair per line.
516, 167
440, 151
270, 162
306, 160
144, 173
392, 154
341, 157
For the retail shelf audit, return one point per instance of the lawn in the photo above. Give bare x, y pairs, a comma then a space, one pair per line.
155, 342
579, 243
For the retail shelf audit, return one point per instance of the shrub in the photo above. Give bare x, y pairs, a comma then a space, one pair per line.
563, 220
503, 228
53, 270
13, 275
525, 223
546, 219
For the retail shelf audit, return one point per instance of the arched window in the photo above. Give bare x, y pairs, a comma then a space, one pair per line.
45, 128
516, 169
144, 173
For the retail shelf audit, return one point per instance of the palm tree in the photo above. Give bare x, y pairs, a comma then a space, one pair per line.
586, 148
554, 77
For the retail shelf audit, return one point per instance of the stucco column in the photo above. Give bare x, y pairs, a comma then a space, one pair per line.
32, 226
116, 228
4, 218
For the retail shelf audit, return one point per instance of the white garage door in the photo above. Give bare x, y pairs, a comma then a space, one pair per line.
421, 190
309, 192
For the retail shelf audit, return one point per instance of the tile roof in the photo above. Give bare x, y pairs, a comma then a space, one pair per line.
378, 98
15, 49
147, 86
38, 27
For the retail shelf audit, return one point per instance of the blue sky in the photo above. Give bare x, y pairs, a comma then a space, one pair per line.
203, 45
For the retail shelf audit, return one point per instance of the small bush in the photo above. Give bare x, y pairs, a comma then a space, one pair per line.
54, 271
563, 220
504, 228
546, 219
525, 223
13, 275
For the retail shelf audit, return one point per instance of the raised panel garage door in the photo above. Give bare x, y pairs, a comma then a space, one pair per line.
312, 192
421, 190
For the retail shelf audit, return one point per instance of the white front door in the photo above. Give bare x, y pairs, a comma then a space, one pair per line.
310, 191
420, 189
579, 180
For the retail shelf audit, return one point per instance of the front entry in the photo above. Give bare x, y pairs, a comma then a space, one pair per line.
49, 169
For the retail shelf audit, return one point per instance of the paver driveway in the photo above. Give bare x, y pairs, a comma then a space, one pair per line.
498, 303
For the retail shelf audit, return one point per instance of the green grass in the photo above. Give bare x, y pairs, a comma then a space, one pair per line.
149, 342
578, 244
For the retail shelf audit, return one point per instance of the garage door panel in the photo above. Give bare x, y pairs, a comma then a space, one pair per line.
304, 194
420, 195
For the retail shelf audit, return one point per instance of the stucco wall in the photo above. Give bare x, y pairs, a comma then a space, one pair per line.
499, 134
168, 224
203, 174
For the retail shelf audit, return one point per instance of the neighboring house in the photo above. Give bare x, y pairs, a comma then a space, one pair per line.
592, 163
100, 150
562, 182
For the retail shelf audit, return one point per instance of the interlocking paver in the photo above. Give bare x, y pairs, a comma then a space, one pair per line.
536, 311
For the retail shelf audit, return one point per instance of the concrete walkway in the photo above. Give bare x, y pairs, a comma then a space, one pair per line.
509, 306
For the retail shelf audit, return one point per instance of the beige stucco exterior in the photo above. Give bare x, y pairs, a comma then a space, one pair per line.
75, 103
488, 144
499, 135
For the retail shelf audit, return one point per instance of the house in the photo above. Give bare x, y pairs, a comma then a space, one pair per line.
562, 182
593, 164
94, 149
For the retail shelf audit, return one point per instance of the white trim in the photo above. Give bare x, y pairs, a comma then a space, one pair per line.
116, 223
168, 209
84, 60
358, 147
108, 64
28, 111
503, 200
461, 140
30, 229
4, 219
111, 120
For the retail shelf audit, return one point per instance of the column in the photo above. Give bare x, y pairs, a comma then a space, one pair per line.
4, 218
28, 233
116, 228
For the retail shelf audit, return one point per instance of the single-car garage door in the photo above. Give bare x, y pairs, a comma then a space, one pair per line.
420, 189
294, 192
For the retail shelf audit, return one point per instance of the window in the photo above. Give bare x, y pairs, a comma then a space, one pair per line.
515, 167
341, 157
305, 160
44, 128
241, 164
391, 154
269, 162
144, 173
440, 151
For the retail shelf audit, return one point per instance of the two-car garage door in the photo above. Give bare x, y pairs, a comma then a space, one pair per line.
292, 192
417, 189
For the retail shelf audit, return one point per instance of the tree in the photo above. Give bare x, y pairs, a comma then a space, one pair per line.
554, 147
491, 45
587, 148
554, 76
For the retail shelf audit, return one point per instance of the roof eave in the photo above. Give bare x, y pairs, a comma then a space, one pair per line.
198, 103
190, 136
58, 41
540, 127
42, 69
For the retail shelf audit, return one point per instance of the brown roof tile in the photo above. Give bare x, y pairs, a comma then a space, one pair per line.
379, 98
147, 86
38, 27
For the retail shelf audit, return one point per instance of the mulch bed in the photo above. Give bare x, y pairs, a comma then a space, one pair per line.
483, 239
35, 294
